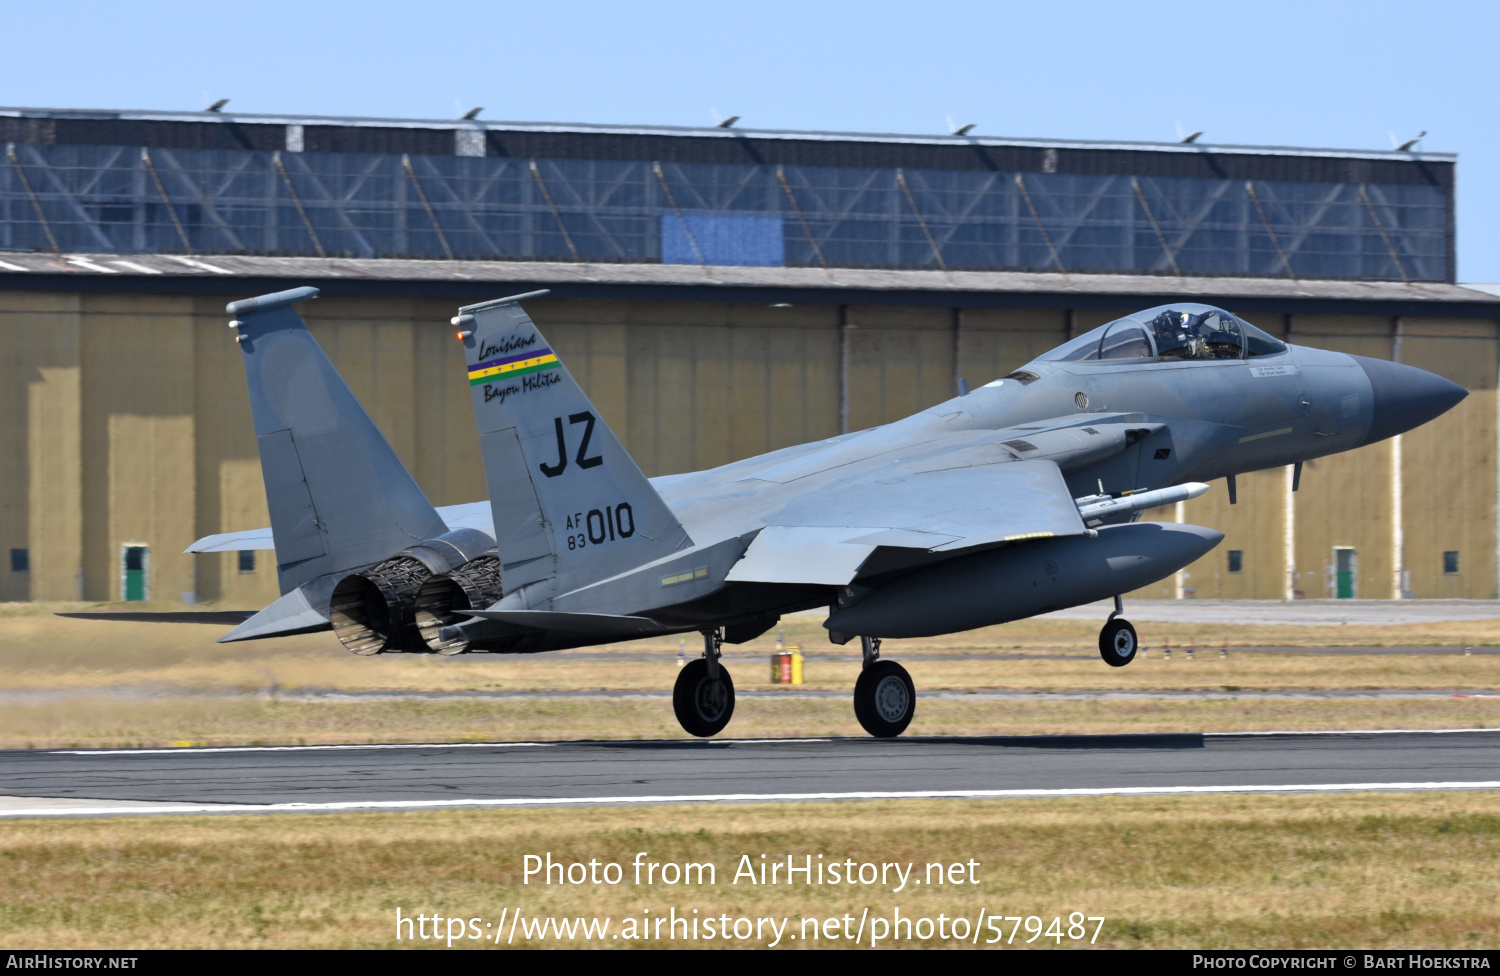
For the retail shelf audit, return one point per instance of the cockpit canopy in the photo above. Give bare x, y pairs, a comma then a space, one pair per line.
1169, 333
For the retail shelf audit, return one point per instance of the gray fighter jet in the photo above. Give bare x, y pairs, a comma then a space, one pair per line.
1015, 499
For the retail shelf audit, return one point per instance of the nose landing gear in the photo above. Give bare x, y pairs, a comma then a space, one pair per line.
1117, 641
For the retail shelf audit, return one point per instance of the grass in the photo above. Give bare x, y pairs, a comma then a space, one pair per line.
1373, 871
42, 651
160, 684
332, 668
184, 721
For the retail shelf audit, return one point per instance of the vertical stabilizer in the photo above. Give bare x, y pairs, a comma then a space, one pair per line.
339, 496
570, 505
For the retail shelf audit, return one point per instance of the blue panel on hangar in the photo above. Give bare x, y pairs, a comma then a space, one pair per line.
722, 239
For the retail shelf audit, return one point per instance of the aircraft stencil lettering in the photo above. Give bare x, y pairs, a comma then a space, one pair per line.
606, 525
557, 468
1018, 498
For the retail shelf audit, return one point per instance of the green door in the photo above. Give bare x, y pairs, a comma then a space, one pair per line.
135, 572
1344, 573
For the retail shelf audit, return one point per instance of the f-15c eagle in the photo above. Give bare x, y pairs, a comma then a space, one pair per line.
1015, 499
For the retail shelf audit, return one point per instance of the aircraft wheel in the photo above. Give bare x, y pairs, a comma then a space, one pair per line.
703, 705
1117, 643
884, 699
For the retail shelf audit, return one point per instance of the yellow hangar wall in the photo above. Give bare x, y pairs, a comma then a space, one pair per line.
124, 420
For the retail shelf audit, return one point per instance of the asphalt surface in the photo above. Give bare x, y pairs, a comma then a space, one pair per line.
275, 779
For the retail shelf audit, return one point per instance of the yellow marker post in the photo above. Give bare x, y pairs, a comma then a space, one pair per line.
797, 665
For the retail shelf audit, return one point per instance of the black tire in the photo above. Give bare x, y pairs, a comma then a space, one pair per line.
884, 699
703, 706
1117, 643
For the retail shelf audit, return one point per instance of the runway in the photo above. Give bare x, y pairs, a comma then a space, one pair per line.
394, 777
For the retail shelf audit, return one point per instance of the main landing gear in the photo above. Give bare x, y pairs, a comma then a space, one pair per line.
884, 698
1117, 641
703, 697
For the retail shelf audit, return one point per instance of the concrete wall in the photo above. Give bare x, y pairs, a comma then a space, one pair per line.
124, 419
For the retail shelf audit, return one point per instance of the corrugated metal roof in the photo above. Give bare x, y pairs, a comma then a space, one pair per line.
165, 272
1197, 148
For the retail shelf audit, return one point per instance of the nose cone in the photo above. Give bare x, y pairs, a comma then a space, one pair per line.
1405, 397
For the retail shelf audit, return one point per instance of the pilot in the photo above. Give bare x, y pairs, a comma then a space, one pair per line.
1179, 336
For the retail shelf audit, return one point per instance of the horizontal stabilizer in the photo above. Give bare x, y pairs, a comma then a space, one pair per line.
234, 541
219, 617
292, 614
572, 623
469, 515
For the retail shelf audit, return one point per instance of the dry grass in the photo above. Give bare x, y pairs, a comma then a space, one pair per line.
159, 684
1382, 871
331, 668
43, 651
91, 723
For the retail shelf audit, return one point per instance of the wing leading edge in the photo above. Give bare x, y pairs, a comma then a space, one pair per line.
470, 515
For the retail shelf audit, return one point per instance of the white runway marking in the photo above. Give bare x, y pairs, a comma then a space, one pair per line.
184, 750
379, 805
1357, 732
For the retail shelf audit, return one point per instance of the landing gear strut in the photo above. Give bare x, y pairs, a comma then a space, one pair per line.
703, 697
884, 698
1117, 641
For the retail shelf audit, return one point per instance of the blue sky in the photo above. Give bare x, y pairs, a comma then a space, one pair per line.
1330, 74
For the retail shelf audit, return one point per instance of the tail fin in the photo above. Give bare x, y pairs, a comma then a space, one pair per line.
570, 505
340, 498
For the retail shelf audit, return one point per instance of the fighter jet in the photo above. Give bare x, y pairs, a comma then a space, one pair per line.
1018, 498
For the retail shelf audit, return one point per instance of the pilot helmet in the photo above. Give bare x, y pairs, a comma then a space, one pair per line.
1172, 323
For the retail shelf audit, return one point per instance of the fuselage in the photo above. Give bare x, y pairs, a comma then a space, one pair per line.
1217, 417
1197, 420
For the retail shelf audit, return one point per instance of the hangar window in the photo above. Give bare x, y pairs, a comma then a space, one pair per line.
1236, 560
20, 560
247, 560
1450, 563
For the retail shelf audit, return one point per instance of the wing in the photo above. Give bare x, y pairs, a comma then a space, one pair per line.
826, 536
975, 488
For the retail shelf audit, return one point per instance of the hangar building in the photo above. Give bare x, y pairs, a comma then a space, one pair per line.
718, 292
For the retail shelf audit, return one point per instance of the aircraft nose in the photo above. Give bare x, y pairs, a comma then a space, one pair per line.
1405, 397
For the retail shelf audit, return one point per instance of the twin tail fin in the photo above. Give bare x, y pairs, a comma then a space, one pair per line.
570, 505
339, 496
